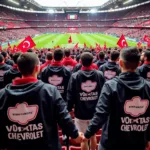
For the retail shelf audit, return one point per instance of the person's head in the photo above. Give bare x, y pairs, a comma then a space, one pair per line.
140, 50
86, 59
49, 56
67, 52
129, 59
114, 55
101, 55
28, 64
1, 58
147, 55
16, 56
30, 50
58, 55
4, 54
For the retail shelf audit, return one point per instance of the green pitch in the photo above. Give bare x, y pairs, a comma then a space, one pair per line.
52, 40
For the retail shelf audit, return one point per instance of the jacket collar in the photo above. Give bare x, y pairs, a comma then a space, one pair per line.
147, 62
56, 63
87, 68
20, 81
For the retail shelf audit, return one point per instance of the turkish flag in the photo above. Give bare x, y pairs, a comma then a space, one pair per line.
76, 46
139, 44
146, 39
105, 47
15, 49
0, 47
9, 46
122, 42
84, 45
70, 40
26, 44
98, 48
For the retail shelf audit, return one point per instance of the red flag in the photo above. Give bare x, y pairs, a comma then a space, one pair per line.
70, 40
146, 39
15, 49
76, 46
9, 45
26, 44
98, 47
122, 42
91, 47
84, 45
139, 44
57, 46
0, 47
105, 47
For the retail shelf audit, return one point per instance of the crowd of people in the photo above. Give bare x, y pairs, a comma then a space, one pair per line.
108, 90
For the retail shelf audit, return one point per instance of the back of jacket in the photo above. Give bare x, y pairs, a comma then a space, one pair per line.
110, 70
30, 114
124, 112
144, 71
58, 76
3, 69
10, 75
83, 90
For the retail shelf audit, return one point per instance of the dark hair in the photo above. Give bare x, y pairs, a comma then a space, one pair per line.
49, 56
140, 50
114, 55
4, 54
87, 50
147, 54
1, 58
87, 59
30, 50
16, 56
27, 62
58, 54
101, 55
130, 57
67, 52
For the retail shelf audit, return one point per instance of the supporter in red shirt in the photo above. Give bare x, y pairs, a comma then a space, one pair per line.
49, 57
68, 61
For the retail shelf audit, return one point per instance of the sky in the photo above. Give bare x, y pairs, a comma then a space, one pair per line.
71, 3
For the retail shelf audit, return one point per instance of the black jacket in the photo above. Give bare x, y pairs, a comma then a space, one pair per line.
83, 90
100, 63
123, 110
144, 71
44, 108
58, 76
77, 67
3, 69
110, 70
10, 75
9, 62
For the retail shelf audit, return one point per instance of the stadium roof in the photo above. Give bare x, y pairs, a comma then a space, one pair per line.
71, 3
61, 6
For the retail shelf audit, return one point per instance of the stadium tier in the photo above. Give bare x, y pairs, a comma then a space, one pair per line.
133, 23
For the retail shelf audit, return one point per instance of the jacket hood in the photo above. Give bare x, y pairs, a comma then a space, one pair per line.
14, 71
111, 65
20, 90
131, 80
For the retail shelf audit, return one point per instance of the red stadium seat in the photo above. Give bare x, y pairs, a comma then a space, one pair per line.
74, 148
98, 137
72, 142
60, 132
61, 139
99, 132
64, 148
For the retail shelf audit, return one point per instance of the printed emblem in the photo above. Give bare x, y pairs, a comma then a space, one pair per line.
109, 74
88, 86
136, 107
55, 80
22, 113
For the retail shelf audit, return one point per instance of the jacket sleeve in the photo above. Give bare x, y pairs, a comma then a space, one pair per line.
102, 112
70, 94
63, 116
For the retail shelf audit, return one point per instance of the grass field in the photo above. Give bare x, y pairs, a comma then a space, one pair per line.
45, 40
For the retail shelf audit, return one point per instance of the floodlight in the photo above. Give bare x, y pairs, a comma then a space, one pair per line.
127, 2
14, 2
93, 10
